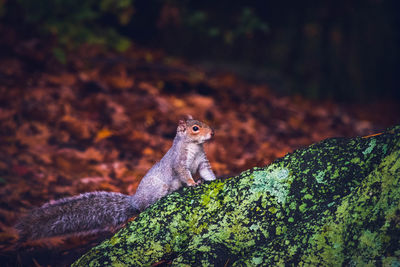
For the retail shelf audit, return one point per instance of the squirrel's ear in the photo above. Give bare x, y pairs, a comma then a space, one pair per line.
181, 126
189, 117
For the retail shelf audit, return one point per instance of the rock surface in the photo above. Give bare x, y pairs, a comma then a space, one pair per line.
336, 202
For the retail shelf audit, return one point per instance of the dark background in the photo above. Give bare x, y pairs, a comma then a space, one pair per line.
342, 50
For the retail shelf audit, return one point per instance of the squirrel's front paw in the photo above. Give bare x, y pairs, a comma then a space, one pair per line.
191, 182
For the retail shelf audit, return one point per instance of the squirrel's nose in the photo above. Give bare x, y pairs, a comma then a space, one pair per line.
212, 132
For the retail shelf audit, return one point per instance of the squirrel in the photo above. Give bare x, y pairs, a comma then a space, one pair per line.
101, 211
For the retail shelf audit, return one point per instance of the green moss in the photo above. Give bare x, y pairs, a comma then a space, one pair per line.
274, 180
370, 147
302, 207
308, 196
257, 260
320, 177
333, 203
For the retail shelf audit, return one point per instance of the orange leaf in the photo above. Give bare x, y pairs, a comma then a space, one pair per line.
103, 134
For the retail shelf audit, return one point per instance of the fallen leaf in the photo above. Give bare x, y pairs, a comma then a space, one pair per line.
103, 134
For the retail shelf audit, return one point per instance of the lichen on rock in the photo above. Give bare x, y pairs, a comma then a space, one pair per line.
334, 203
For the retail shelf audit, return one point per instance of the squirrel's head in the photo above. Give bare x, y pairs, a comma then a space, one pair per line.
194, 131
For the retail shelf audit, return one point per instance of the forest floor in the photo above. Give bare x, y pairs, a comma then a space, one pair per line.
101, 120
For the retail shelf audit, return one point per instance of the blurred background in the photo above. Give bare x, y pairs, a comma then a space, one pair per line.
91, 91
346, 50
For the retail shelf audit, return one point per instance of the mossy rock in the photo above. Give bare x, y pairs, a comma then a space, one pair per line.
334, 203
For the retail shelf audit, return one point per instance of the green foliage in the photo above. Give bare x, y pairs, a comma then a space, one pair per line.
246, 24
59, 54
2, 9
75, 22
249, 22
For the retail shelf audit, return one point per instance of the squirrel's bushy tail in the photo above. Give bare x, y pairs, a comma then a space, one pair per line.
88, 212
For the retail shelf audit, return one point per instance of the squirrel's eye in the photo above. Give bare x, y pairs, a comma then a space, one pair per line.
195, 128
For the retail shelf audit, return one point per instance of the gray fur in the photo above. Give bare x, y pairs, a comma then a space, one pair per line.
97, 211
82, 213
